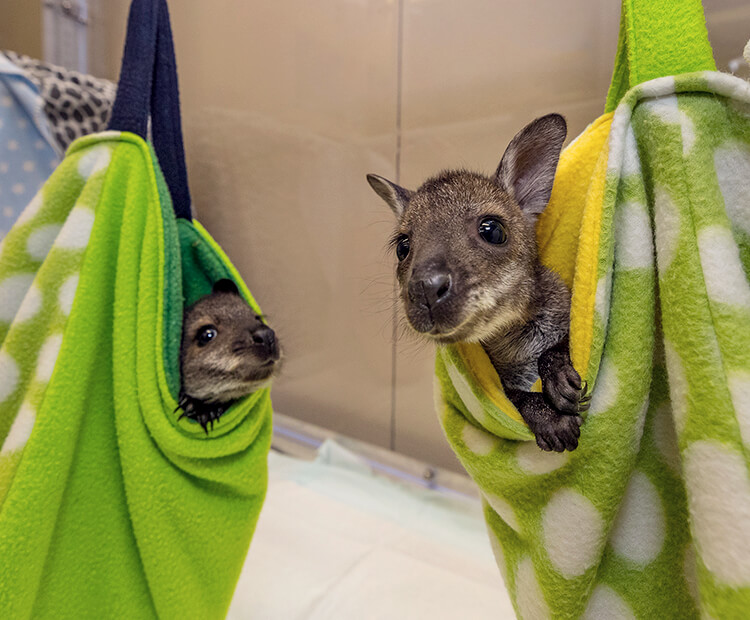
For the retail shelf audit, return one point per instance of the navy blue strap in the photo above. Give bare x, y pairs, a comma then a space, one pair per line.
148, 88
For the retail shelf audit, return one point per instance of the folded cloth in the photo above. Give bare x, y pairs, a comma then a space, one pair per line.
110, 505
663, 333
649, 224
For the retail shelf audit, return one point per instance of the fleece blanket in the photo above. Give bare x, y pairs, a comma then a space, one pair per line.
111, 507
649, 224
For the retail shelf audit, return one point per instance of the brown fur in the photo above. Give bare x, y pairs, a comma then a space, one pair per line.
241, 358
457, 287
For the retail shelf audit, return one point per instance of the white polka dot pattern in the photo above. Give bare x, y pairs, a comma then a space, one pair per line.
607, 388
9, 375
477, 441
32, 208
77, 230
633, 243
667, 228
732, 169
532, 460
690, 571
20, 431
94, 160
30, 306
67, 294
606, 604
12, 291
667, 108
718, 488
603, 290
529, 596
503, 509
47, 357
573, 532
41, 240
725, 279
497, 551
465, 392
40, 266
638, 533
678, 386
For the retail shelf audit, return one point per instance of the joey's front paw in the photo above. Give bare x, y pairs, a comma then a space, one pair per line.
553, 430
559, 433
204, 413
564, 390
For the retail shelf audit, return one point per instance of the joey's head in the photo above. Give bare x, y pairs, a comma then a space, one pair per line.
227, 350
465, 242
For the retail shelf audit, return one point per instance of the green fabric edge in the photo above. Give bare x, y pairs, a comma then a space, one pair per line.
658, 39
172, 287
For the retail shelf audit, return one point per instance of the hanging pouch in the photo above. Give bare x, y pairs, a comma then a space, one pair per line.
110, 506
648, 224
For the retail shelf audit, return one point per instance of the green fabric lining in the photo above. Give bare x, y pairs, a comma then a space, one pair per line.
110, 506
658, 39
648, 517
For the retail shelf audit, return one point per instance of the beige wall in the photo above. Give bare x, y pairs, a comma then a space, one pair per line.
288, 104
21, 26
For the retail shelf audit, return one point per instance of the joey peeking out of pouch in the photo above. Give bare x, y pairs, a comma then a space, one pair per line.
469, 271
227, 352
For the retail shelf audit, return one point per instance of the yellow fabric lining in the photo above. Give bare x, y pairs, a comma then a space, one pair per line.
484, 374
568, 231
568, 235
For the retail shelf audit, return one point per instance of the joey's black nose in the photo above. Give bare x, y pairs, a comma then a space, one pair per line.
431, 288
265, 338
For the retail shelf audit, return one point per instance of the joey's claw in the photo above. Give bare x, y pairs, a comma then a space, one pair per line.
542, 444
563, 390
555, 443
573, 377
553, 430
205, 414
557, 432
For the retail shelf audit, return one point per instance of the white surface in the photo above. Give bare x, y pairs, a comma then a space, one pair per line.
336, 542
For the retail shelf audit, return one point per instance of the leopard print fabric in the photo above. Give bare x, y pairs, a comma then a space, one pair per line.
74, 103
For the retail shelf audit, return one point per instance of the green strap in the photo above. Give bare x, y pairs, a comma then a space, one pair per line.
658, 38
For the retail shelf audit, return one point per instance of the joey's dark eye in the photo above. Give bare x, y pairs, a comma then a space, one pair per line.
492, 231
206, 334
402, 247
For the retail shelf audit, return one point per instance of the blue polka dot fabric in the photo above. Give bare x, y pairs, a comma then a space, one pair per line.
27, 154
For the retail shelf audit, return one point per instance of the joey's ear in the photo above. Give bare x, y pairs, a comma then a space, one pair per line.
225, 286
528, 166
395, 196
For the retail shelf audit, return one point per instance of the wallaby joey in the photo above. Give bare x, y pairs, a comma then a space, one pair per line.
227, 352
469, 271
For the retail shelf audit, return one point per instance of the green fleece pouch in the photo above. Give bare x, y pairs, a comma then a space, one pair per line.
111, 507
649, 224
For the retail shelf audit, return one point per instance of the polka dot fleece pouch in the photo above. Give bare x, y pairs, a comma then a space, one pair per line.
649, 224
111, 506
